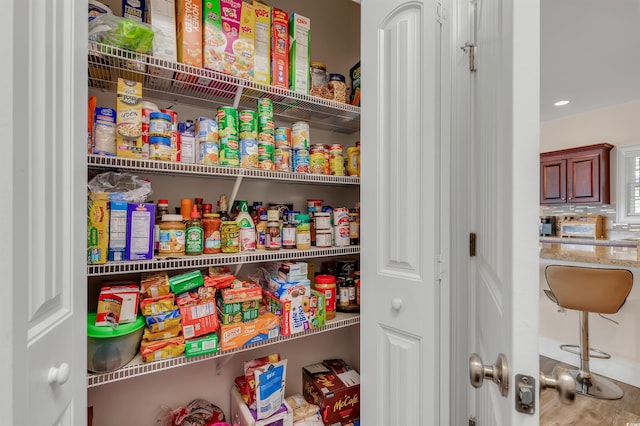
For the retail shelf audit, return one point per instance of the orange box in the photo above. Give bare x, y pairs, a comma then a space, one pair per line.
198, 320
266, 326
189, 29
280, 49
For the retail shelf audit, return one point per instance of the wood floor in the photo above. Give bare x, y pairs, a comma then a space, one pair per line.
586, 411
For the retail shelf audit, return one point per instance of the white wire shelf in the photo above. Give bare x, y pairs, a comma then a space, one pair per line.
203, 261
180, 83
136, 367
166, 167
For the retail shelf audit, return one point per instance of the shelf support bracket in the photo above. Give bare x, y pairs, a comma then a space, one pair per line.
234, 191
236, 98
222, 362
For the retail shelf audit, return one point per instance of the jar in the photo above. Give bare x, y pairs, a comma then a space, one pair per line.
319, 80
324, 238
273, 214
211, 225
351, 290
354, 227
343, 293
161, 210
289, 236
323, 221
338, 87
327, 285
229, 237
171, 238
303, 232
273, 240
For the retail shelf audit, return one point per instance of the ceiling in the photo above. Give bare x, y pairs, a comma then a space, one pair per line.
589, 54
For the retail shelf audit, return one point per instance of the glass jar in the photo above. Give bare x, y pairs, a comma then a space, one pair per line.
303, 232
211, 225
319, 80
338, 87
230, 237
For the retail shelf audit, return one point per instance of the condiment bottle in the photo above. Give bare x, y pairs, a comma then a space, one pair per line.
163, 208
211, 233
172, 236
353, 160
273, 237
222, 208
198, 203
194, 241
327, 285
185, 208
246, 227
303, 232
207, 208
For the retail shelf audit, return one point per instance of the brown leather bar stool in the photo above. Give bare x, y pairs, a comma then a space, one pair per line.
596, 290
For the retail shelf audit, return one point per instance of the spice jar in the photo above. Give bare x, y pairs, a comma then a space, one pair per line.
338, 87
319, 80
327, 285
171, 236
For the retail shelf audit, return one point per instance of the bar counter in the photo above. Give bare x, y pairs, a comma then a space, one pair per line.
596, 253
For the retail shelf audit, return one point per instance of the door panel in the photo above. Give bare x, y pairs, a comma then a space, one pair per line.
583, 179
553, 181
400, 232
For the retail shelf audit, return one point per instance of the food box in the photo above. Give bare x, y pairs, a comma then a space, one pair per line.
299, 53
97, 228
262, 57
242, 316
241, 291
129, 292
129, 119
140, 225
288, 271
286, 290
242, 415
162, 17
198, 320
232, 336
134, 9
117, 230
201, 346
354, 73
335, 387
299, 314
185, 282
280, 48
230, 313
104, 126
189, 29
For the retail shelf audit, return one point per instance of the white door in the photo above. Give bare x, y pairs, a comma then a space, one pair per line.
402, 229
43, 169
504, 149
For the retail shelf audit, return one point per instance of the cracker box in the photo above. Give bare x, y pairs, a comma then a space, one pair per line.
97, 228
299, 46
230, 313
232, 336
117, 230
198, 320
189, 29
140, 223
300, 314
280, 48
262, 57
201, 346
129, 119
335, 387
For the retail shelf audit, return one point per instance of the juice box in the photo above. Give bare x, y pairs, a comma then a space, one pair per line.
280, 48
299, 45
140, 222
97, 228
117, 230
189, 29
129, 119
262, 57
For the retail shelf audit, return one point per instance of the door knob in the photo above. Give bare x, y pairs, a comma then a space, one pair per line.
498, 372
562, 381
59, 375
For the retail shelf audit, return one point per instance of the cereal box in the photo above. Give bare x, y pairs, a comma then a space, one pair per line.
262, 57
213, 38
280, 49
189, 28
244, 47
129, 119
299, 45
117, 230
230, 11
97, 228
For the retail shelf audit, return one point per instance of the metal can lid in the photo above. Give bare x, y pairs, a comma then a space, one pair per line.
317, 64
160, 116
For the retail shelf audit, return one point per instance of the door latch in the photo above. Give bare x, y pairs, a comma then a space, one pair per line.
525, 394
472, 54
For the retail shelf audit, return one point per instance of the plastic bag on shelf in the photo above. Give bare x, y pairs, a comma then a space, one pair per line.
124, 33
121, 186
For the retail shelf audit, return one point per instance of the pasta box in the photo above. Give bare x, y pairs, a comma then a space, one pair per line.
97, 228
334, 387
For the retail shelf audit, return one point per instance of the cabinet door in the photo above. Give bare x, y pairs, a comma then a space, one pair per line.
583, 179
553, 181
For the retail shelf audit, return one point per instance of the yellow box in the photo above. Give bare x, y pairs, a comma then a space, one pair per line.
97, 228
129, 120
262, 57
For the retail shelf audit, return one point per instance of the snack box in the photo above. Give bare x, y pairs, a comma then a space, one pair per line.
299, 53
97, 228
285, 290
242, 415
201, 346
262, 57
129, 292
241, 291
232, 336
129, 119
230, 313
299, 314
288, 271
335, 387
117, 230
140, 225
185, 282
198, 320
280, 48
189, 29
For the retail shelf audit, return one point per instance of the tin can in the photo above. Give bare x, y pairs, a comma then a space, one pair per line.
265, 107
249, 153
230, 237
248, 125
227, 121
300, 135
206, 130
173, 117
160, 148
209, 152
176, 146
282, 137
273, 213
266, 129
341, 235
317, 159
265, 156
327, 156
336, 160
341, 216
301, 160
314, 205
229, 151
281, 159
159, 125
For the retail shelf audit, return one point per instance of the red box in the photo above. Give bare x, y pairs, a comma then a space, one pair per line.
280, 49
334, 387
198, 320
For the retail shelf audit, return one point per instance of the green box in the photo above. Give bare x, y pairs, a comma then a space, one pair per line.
241, 316
185, 282
201, 346
234, 308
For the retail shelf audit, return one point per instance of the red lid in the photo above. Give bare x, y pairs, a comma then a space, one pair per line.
165, 202
325, 279
195, 214
198, 200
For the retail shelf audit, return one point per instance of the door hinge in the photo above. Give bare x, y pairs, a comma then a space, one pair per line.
472, 421
472, 244
441, 11
472, 54
441, 267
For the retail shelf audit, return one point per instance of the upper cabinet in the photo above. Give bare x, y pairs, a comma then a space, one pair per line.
577, 175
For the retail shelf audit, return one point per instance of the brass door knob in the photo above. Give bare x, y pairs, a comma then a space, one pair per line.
497, 372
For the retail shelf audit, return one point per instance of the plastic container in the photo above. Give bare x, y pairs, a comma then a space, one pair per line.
338, 87
111, 348
327, 285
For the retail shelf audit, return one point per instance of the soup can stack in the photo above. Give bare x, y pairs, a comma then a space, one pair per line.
266, 134
248, 134
282, 152
207, 139
300, 145
228, 130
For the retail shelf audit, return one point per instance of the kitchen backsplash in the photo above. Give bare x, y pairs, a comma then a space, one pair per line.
613, 231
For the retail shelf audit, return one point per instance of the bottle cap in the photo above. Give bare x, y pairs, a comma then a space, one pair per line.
325, 279
163, 202
302, 217
195, 214
172, 218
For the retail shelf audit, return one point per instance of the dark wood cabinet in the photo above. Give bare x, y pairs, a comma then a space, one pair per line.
576, 175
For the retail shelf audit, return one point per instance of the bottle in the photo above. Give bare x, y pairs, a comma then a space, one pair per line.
211, 233
303, 232
198, 202
354, 227
207, 208
229, 237
353, 160
246, 227
288, 236
163, 208
222, 208
261, 234
194, 241
185, 208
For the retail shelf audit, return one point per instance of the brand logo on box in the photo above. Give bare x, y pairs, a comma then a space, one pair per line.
232, 333
302, 21
262, 13
348, 400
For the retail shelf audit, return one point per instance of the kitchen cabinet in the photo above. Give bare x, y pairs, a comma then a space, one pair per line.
576, 175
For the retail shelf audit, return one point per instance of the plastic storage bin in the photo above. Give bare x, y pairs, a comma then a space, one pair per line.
111, 348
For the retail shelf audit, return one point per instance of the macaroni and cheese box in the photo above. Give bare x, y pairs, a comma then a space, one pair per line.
299, 45
266, 326
334, 387
262, 57
140, 223
129, 119
189, 29
280, 48
97, 228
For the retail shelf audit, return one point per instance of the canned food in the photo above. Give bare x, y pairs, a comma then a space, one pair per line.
336, 160
230, 237
159, 125
209, 153
176, 146
266, 130
317, 159
160, 148
282, 137
322, 221
265, 107
341, 216
265, 156
248, 125
227, 121
341, 235
281, 157
324, 237
301, 160
206, 130
314, 205
249, 153
173, 117
300, 135
229, 151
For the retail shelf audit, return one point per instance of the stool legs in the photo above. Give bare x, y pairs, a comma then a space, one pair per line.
587, 383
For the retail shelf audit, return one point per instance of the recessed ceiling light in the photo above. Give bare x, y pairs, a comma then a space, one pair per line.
561, 103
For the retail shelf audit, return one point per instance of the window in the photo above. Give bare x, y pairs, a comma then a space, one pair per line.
628, 184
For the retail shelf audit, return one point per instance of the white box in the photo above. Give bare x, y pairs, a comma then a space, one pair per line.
162, 18
299, 46
241, 415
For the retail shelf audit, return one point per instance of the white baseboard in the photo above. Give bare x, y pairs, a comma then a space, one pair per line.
621, 370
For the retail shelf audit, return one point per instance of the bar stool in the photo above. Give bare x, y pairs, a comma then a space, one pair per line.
597, 290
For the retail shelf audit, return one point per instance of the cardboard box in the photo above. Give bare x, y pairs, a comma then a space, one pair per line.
129, 119
335, 388
242, 415
134, 9
299, 53
97, 228
232, 336
162, 18
262, 57
140, 223
230, 313
285, 290
198, 320
244, 48
189, 29
288, 271
214, 41
129, 292
280, 48
354, 74
104, 122
201, 346
241, 291
299, 314
117, 230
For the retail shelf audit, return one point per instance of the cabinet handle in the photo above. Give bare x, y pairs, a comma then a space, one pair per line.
59, 375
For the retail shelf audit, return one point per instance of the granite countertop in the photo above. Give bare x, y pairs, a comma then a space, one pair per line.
591, 253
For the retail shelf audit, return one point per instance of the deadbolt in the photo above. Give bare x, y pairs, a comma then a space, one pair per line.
498, 372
